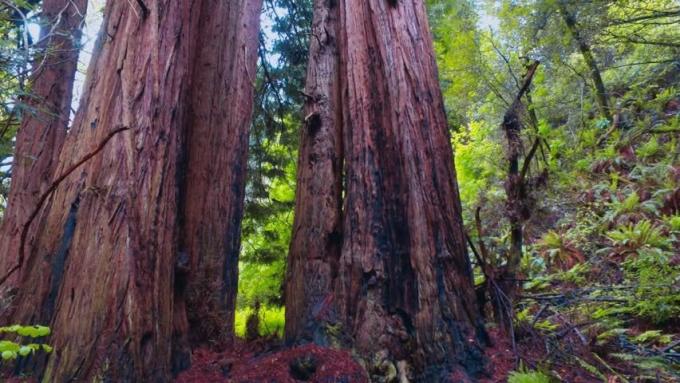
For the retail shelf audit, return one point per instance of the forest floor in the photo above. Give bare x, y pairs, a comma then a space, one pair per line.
266, 360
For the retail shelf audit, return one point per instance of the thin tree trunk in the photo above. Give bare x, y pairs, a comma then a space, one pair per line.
586, 52
124, 235
43, 128
316, 241
515, 189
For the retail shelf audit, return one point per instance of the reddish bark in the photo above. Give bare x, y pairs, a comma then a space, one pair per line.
107, 269
405, 276
316, 239
403, 284
43, 130
214, 188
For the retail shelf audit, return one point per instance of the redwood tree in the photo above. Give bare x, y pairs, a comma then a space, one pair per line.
215, 156
43, 127
402, 284
129, 234
316, 240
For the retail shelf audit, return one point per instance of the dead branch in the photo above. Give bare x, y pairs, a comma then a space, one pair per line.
53, 186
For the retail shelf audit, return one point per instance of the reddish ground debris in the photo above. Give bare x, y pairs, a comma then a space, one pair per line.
501, 358
262, 362
532, 352
245, 363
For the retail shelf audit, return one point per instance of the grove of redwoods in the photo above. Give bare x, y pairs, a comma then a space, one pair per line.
265, 190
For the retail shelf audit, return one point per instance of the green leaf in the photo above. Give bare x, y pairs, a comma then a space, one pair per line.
6, 345
7, 355
34, 331
25, 350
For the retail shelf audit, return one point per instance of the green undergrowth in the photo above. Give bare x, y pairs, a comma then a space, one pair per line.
602, 280
524, 375
271, 322
27, 344
601, 263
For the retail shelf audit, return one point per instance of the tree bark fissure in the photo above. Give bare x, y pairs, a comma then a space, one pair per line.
42, 131
317, 232
403, 284
131, 236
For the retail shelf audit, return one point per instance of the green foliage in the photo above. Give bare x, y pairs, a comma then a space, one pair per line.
672, 222
653, 336
649, 366
270, 191
477, 163
12, 350
591, 369
524, 375
272, 320
642, 234
649, 148
656, 296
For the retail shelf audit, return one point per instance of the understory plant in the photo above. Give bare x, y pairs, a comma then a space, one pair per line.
10, 350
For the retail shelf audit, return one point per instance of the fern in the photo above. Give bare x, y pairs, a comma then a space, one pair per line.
590, 368
634, 237
524, 375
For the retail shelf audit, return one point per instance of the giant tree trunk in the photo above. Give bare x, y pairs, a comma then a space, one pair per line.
216, 162
405, 278
402, 287
316, 240
43, 130
124, 234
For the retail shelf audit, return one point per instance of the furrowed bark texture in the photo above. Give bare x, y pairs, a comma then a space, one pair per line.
316, 241
222, 96
43, 130
405, 277
403, 283
108, 271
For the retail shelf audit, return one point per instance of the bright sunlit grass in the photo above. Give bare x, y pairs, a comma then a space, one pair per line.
272, 320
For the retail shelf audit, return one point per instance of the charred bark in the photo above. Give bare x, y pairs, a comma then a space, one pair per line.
402, 287
43, 129
106, 267
316, 241
405, 280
